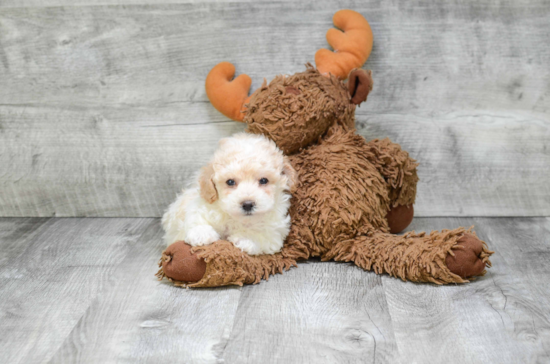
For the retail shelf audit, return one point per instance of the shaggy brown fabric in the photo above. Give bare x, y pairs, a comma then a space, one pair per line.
399, 217
227, 265
398, 169
293, 119
417, 257
340, 193
347, 189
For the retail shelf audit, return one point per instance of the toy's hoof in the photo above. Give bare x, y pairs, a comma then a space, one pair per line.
182, 265
399, 217
468, 259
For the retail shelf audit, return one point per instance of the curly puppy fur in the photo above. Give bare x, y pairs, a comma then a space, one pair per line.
240, 196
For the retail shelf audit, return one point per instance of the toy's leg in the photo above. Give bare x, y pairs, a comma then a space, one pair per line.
399, 171
397, 168
218, 264
449, 256
222, 264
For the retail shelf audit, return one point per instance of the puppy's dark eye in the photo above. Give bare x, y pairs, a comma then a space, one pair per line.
263, 181
230, 182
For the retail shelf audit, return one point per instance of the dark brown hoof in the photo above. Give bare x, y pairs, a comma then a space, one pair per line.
468, 258
399, 217
182, 265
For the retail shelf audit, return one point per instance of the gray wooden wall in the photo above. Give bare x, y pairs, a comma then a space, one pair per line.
103, 110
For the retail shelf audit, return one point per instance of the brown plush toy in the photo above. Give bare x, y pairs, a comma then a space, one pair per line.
352, 195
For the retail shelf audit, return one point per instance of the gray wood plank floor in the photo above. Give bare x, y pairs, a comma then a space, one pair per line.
103, 110
82, 290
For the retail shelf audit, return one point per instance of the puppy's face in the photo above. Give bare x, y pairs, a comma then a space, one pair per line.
247, 181
246, 190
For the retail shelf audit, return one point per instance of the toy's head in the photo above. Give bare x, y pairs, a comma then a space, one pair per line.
295, 111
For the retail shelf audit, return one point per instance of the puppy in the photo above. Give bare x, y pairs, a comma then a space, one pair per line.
240, 196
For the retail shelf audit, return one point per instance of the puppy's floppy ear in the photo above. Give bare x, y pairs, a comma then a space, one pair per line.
206, 183
290, 173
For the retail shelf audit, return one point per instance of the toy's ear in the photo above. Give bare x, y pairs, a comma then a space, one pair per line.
207, 187
359, 85
290, 173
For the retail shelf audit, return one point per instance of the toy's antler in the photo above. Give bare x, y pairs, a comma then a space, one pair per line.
228, 96
352, 45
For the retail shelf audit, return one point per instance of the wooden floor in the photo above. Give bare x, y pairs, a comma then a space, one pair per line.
103, 114
83, 290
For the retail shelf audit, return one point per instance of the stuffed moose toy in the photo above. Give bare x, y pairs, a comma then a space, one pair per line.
351, 197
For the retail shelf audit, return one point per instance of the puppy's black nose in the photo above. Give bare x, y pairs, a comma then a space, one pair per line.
248, 205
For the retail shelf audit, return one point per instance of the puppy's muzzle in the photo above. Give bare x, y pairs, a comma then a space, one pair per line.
248, 206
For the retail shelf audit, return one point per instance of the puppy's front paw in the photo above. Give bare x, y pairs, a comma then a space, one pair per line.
201, 235
246, 245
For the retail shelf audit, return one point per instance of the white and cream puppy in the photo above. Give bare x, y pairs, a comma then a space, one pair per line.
241, 196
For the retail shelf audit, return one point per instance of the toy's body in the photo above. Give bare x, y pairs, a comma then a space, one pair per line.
351, 194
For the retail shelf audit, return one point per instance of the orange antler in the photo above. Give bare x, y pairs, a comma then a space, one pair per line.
227, 96
352, 45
